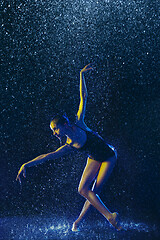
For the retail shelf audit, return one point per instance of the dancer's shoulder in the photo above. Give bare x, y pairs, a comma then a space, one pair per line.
82, 125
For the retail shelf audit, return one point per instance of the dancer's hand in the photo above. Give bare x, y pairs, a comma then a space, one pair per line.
21, 170
86, 68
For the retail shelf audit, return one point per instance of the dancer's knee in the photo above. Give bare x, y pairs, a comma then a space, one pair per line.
83, 191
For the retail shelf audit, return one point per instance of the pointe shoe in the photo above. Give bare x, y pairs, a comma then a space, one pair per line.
114, 220
74, 228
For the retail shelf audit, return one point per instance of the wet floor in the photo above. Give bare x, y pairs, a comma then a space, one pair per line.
57, 227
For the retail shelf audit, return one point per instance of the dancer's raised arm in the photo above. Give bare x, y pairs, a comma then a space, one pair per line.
83, 94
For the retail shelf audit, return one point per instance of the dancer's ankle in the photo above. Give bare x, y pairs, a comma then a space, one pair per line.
77, 222
75, 227
115, 221
110, 216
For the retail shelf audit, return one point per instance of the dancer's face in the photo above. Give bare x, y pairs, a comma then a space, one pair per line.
58, 129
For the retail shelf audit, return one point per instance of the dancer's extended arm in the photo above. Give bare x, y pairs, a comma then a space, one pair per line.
65, 149
83, 94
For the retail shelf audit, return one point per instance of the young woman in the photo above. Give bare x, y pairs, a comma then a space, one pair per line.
100, 162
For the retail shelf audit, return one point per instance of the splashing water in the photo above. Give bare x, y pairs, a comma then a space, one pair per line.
136, 226
57, 227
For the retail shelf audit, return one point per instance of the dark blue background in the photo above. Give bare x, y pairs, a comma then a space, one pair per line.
44, 45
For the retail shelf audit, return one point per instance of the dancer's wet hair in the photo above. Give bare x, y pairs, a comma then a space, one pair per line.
60, 119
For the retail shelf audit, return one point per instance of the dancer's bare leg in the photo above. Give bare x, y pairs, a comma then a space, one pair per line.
89, 173
105, 170
84, 210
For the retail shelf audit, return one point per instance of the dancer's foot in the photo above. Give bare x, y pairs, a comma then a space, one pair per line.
114, 220
75, 227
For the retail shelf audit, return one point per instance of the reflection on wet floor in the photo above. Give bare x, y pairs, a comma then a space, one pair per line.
38, 227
